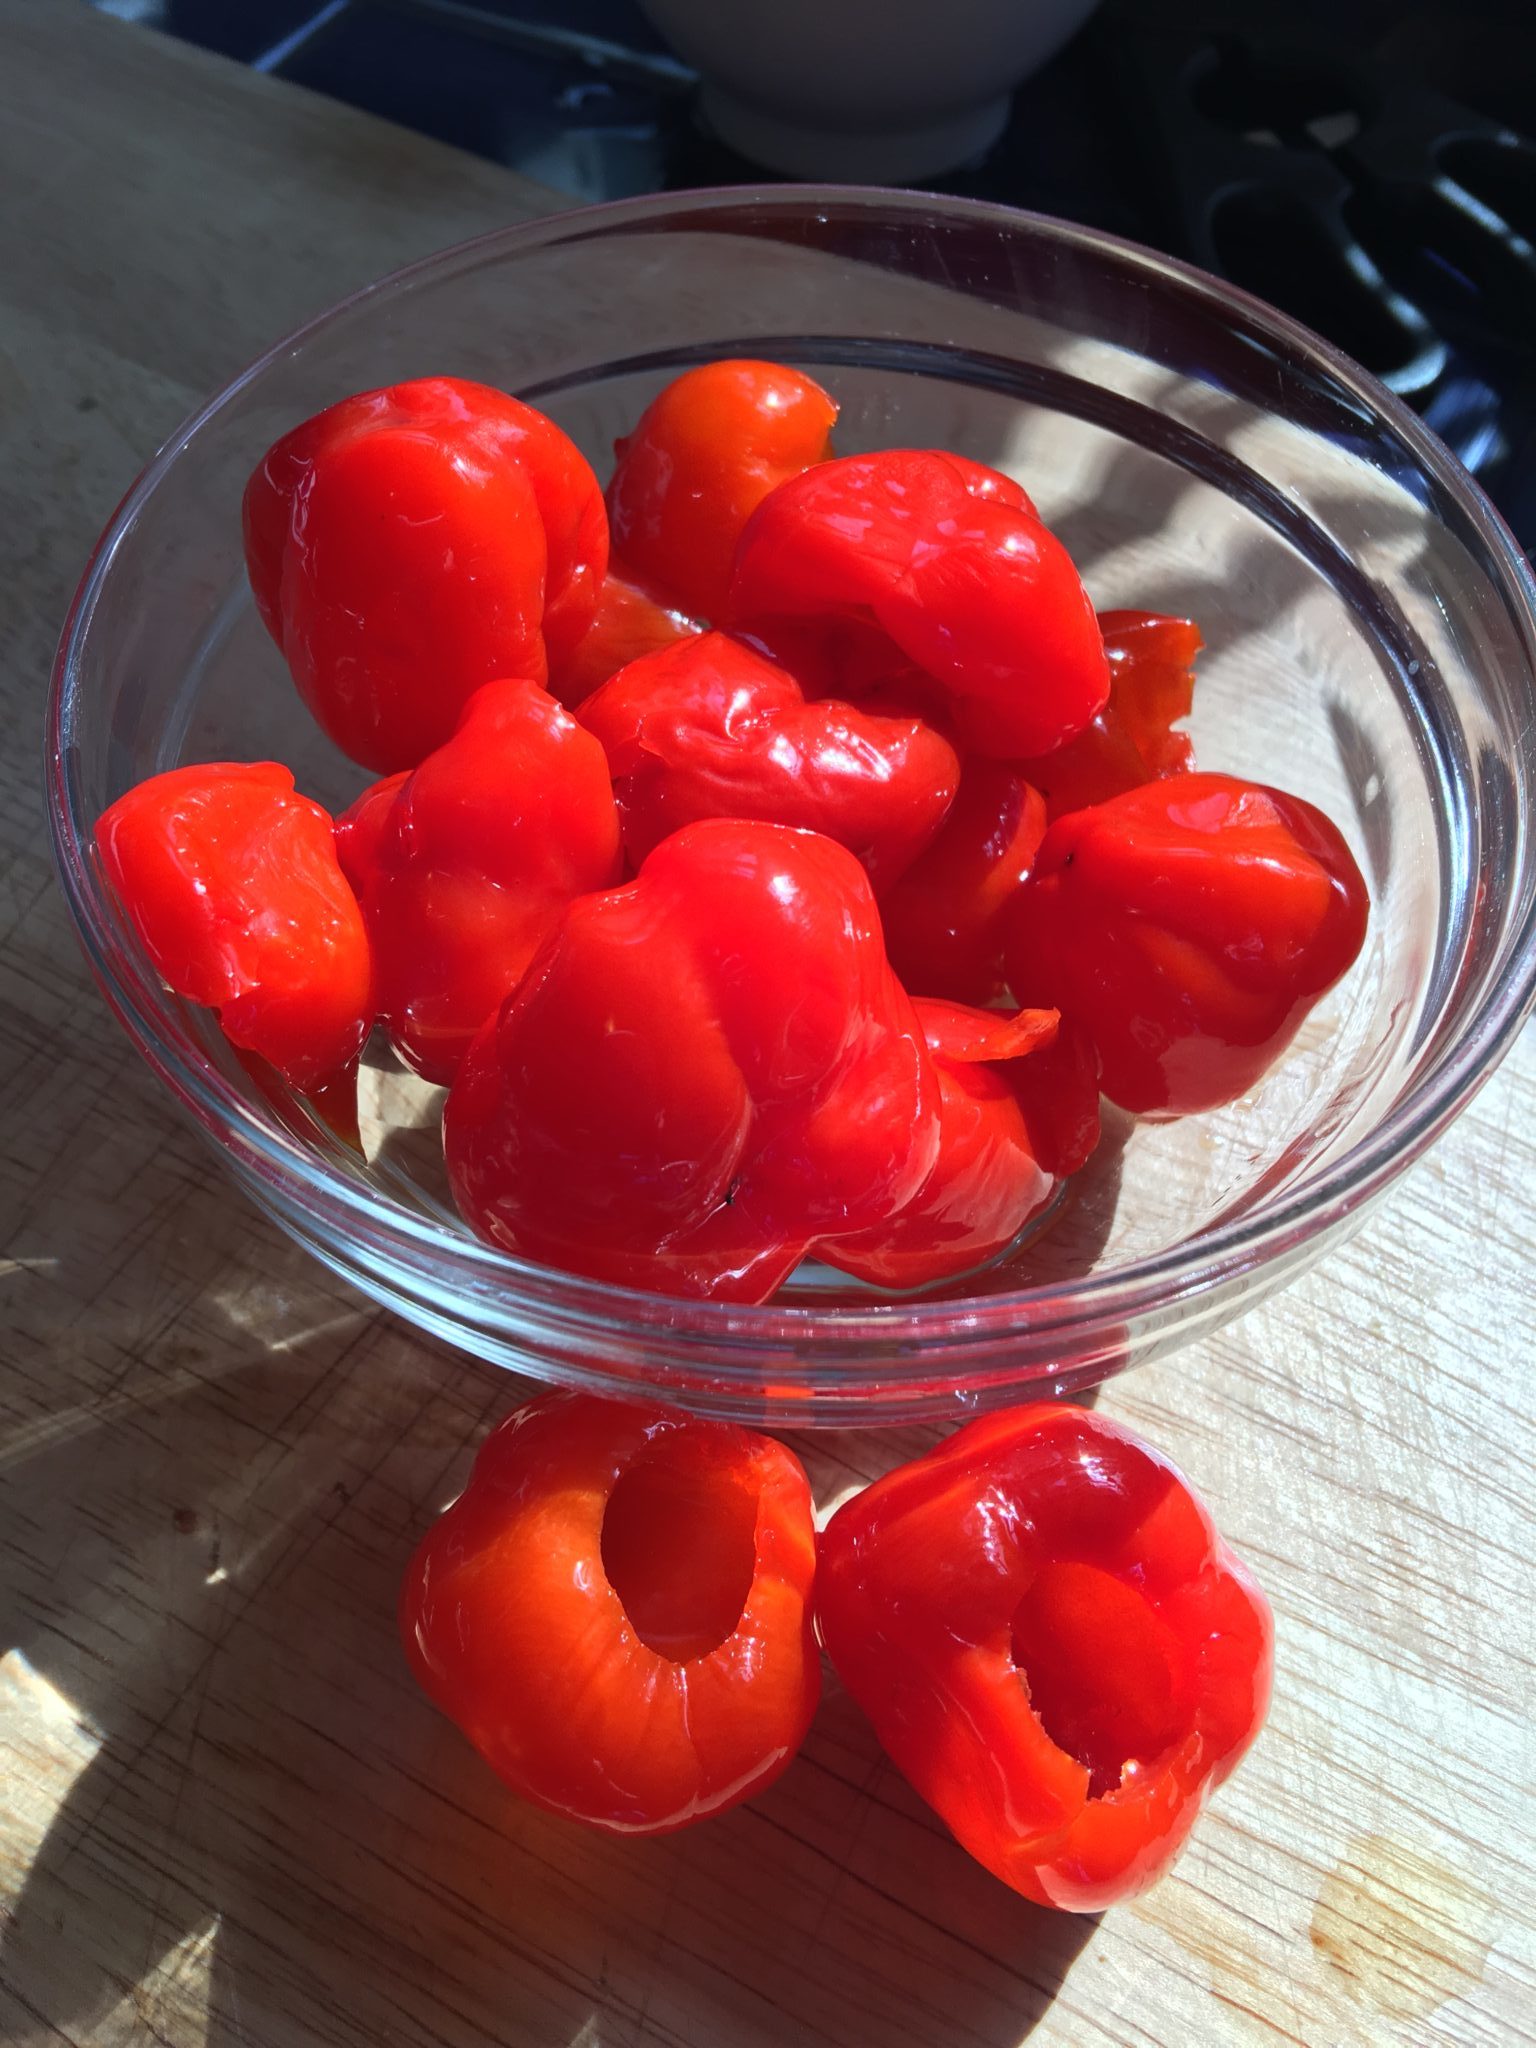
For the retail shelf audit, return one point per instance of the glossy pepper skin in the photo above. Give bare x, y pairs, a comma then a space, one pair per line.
617, 1612
964, 580
1132, 740
463, 866
945, 917
629, 623
986, 1182
709, 728
1188, 926
1057, 1089
707, 450
1152, 684
703, 1074
230, 879
409, 544
1054, 1646
847, 654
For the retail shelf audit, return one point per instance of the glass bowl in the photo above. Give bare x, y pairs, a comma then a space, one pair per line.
1371, 633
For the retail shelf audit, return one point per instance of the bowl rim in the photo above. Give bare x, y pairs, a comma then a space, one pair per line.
1109, 1297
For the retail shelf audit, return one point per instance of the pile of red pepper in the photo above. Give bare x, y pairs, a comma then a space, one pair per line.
621, 1611
774, 854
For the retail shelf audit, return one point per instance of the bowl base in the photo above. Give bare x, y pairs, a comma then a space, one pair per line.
889, 155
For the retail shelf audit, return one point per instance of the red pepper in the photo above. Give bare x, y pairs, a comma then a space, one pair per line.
1058, 1091
961, 576
464, 866
984, 482
849, 655
707, 451
1054, 1646
1132, 741
230, 879
944, 918
362, 828
1152, 684
617, 1612
710, 729
629, 623
987, 1182
1188, 926
410, 544
849, 658
704, 1074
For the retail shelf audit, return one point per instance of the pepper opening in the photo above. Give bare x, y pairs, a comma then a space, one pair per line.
679, 1549
1102, 1670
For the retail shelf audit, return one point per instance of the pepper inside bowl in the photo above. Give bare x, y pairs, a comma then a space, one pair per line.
1371, 644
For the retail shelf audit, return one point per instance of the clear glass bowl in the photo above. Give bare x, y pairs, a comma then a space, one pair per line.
1371, 634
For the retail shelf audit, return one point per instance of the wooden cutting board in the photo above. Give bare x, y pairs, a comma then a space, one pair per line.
225, 1816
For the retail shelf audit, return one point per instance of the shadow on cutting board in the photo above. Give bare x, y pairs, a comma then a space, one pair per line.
269, 1837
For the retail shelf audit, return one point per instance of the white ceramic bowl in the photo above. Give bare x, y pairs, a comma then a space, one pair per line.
883, 90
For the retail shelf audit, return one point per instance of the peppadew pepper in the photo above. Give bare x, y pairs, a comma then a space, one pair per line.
1152, 684
1134, 738
693, 1083
231, 881
463, 866
1054, 1645
988, 1180
617, 1611
409, 544
704, 1073
1188, 926
710, 729
707, 450
629, 622
954, 569
945, 917
845, 653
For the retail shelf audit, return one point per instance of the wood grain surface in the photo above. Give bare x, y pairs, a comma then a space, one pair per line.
226, 1818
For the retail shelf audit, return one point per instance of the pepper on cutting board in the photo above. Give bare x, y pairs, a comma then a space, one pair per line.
1053, 1644
617, 1611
